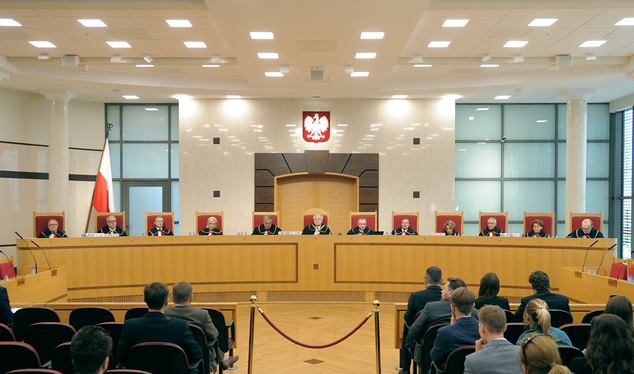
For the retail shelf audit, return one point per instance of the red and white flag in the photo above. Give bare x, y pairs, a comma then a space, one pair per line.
103, 195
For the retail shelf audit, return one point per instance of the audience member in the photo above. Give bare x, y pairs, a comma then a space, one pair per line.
491, 229
450, 229
112, 228
404, 229
52, 230
537, 319
267, 227
159, 229
540, 284
539, 355
211, 229
494, 354
538, 229
90, 350
488, 292
586, 231
622, 307
317, 227
6, 315
362, 228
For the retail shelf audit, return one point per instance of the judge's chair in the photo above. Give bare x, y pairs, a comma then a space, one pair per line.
168, 220
501, 217
100, 222
547, 218
397, 217
577, 218
308, 216
40, 222
258, 218
456, 217
202, 217
370, 219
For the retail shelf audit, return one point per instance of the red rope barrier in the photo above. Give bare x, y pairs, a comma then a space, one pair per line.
314, 346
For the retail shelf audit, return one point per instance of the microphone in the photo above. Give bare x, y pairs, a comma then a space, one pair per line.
27, 246
603, 257
584, 259
8, 260
45, 256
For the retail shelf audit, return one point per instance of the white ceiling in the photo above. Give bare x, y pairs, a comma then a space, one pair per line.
321, 33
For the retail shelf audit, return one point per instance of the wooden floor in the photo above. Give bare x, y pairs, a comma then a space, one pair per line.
316, 324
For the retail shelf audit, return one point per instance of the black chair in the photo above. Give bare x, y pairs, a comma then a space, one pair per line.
61, 359
158, 358
591, 314
25, 317
114, 329
226, 331
514, 331
568, 353
579, 333
135, 312
510, 317
34, 371
201, 339
455, 360
90, 315
45, 336
6, 335
421, 352
560, 317
128, 371
17, 355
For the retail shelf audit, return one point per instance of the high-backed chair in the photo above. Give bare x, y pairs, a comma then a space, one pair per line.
421, 352
17, 355
135, 312
308, 216
455, 360
7, 268
114, 330
202, 217
61, 359
579, 333
456, 217
258, 218
547, 218
370, 219
158, 358
560, 317
6, 334
513, 331
45, 336
397, 217
201, 340
168, 220
501, 217
40, 222
25, 317
90, 315
226, 330
577, 218
34, 371
618, 271
591, 314
100, 222
567, 353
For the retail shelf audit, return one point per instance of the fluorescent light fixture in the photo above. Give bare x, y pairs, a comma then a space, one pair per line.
625, 22
268, 56
44, 56
261, 35
43, 44
152, 109
234, 97
502, 97
515, 44
455, 23
399, 96
592, 43
518, 57
451, 97
116, 58
542, 120
92, 22
9, 22
471, 118
273, 74
360, 74
130, 97
372, 35
591, 57
422, 66
178, 23
211, 66
144, 66
148, 59
119, 44
195, 44
365, 55
483, 108
438, 44
183, 97
542, 22
489, 65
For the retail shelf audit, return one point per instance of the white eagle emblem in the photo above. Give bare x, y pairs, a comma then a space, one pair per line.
315, 128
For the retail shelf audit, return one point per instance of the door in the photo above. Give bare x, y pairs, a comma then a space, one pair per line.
144, 196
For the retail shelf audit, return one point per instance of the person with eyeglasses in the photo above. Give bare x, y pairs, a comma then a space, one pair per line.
52, 230
537, 319
112, 228
539, 355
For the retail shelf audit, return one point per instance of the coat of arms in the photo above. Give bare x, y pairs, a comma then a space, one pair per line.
316, 126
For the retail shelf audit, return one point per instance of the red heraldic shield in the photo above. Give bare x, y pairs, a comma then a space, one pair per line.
316, 126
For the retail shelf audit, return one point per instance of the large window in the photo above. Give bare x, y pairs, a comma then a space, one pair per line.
624, 119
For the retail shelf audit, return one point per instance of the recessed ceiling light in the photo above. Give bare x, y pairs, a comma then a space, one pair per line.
625, 22
144, 66
234, 97
592, 43
43, 44
178, 23
372, 35
451, 97
366, 55
211, 66
399, 96
261, 35
130, 97
92, 22
542, 120
515, 44
438, 44
455, 23
268, 56
152, 109
273, 74
195, 44
119, 44
482, 108
183, 97
422, 66
542, 22
489, 65
360, 74
9, 22
502, 97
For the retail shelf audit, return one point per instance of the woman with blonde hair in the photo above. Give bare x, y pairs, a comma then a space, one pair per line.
537, 319
539, 355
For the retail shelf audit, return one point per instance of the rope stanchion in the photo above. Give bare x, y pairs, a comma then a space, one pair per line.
377, 336
252, 331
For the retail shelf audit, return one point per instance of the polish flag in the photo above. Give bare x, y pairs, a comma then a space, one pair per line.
103, 199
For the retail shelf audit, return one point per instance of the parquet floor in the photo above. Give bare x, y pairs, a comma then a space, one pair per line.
316, 324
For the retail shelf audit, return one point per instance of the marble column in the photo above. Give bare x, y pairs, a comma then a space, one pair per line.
58, 156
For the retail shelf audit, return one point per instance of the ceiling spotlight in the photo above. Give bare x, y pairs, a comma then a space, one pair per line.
44, 56
285, 69
518, 57
348, 68
148, 59
215, 58
591, 57
486, 58
418, 58
116, 58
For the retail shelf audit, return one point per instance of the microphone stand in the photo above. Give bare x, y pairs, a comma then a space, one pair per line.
30, 251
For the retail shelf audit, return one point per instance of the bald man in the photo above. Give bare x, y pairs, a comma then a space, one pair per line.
112, 228
317, 227
586, 231
52, 230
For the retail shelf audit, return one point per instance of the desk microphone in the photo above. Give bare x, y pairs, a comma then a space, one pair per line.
8, 260
584, 259
606, 251
30, 251
45, 256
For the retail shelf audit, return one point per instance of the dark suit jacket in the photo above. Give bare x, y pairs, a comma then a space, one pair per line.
554, 301
261, 230
593, 234
156, 327
6, 315
498, 357
154, 232
200, 318
399, 231
417, 301
463, 332
579, 365
58, 234
118, 230
502, 302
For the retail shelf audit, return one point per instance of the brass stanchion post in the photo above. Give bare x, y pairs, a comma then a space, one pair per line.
377, 336
252, 331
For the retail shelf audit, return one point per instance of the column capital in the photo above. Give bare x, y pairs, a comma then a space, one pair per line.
576, 94
65, 95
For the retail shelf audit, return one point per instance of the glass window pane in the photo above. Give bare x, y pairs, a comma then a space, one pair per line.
471, 229
145, 160
140, 124
516, 228
176, 229
529, 122
174, 200
116, 185
529, 160
562, 230
475, 196
174, 122
561, 160
597, 197
528, 196
474, 124
113, 117
560, 213
598, 160
598, 121
478, 160
115, 159
562, 120
174, 160
143, 199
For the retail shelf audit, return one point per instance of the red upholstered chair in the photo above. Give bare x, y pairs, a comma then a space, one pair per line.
100, 222
501, 217
258, 218
398, 217
618, 271
7, 268
202, 217
547, 218
370, 219
308, 216
577, 218
168, 218
456, 217
40, 222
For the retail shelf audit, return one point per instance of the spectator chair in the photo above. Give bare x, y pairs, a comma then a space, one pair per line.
202, 217
258, 218
547, 218
456, 217
501, 217
568, 353
309, 213
455, 360
90, 315
34, 371
513, 331
25, 317
397, 217
579, 333
17, 355
510, 316
618, 270
45, 336
226, 331
577, 218
168, 218
591, 314
61, 359
114, 329
127, 371
40, 222
100, 222
6, 334
201, 340
370, 219
159, 358
560, 317
135, 312
422, 351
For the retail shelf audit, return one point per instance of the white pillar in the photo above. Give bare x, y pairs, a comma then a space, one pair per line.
58, 158
576, 151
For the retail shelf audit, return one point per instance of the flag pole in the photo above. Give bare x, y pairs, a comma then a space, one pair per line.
108, 128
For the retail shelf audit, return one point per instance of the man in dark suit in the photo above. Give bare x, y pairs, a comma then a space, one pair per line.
494, 354
540, 283
6, 315
404, 229
416, 303
155, 327
52, 230
112, 228
160, 229
586, 231
90, 350
183, 293
462, 331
